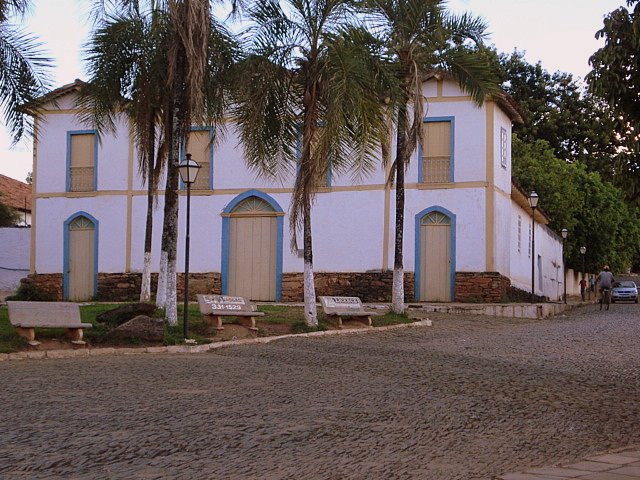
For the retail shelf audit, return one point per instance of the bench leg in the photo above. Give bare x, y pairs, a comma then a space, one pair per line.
249, 322
338, 321
217, 322
29, 334
75, 334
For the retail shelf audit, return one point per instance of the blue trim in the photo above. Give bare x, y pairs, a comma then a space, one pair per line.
226, 228
70, 133
183, 152
65, 253
452, 249
452, 121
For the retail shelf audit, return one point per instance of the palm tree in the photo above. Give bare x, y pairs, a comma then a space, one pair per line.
24, 70
199, 52
307, 101
421, 38
127, 64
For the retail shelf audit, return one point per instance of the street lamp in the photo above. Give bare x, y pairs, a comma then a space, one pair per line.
533, 203
583, 250
188, 169
564, 232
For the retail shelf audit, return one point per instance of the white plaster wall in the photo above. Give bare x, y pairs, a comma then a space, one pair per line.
348, 235
109, 211
51, 158
113, 159
548, 246
503, 244
502, 175
14, 257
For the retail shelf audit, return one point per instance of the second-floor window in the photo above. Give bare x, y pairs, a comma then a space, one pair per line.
81, 154
504, 156
200, 147
437, 151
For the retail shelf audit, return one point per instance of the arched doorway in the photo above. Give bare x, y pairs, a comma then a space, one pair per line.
252, 247
80, 257
435, 255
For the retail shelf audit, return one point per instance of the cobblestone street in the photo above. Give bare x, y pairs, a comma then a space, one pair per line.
469, 398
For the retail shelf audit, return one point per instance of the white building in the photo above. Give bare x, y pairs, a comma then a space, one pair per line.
466, 226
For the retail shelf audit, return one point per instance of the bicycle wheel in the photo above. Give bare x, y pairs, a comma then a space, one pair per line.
607, 299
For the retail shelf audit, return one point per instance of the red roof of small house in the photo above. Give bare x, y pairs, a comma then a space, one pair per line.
15, 194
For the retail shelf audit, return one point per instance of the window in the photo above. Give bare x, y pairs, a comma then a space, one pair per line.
503, 147
437, 151
81, 159
529, 255
519, 233
199, 145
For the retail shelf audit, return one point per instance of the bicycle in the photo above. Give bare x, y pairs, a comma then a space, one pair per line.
605, 298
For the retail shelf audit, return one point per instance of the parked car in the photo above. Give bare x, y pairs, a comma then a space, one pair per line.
624, 291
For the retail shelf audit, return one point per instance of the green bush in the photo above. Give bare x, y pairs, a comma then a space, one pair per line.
29, 292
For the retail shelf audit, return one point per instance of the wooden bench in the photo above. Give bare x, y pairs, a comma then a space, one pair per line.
216, 307
27, 316
338, 307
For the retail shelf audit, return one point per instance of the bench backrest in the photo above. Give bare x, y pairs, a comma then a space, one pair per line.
212, 304
41, 313
341, 304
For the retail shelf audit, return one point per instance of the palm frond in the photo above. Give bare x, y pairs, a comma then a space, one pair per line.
24, 76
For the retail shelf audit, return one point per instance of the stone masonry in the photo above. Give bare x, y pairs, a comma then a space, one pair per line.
481, 287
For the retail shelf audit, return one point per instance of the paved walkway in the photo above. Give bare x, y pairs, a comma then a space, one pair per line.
470, 398
622, 465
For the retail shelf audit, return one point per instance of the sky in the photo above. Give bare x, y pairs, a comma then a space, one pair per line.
558, 33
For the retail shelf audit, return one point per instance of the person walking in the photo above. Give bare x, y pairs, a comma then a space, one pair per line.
583, 288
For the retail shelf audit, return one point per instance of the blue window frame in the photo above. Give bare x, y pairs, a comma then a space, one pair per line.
226, 233
441, 164
66, 250
204, 157
452, 248
82, 161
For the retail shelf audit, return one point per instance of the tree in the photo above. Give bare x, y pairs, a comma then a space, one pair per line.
421, 38
578, 126
310, 79
8, 216
24, 69
615, 77
593, 211
127, 64
199, 52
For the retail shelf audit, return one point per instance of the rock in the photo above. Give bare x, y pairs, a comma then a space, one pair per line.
141, 328
124, 313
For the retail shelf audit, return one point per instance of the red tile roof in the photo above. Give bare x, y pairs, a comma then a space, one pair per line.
13, 193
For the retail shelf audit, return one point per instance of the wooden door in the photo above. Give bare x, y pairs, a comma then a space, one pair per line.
253, 250
81, 268
435, 255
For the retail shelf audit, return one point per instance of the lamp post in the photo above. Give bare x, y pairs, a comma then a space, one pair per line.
583, 250
533, 203
564, 232
188, 169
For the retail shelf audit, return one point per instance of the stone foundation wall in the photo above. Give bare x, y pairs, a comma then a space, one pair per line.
125, 287
471, 287
369, 286
49, 284
481, 287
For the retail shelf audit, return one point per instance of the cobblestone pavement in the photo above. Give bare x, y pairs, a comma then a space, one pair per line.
469, 398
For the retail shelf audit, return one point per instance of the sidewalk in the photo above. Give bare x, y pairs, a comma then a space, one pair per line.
619, 465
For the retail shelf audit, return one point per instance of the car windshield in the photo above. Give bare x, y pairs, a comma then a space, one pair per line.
624, 285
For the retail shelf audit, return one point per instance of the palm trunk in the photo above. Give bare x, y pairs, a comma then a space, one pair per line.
397, 295
145, 287
161, 289
310, 310
170, 226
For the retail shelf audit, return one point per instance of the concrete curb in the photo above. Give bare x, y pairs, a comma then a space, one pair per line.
101, 352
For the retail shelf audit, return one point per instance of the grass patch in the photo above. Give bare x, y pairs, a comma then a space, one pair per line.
390, 318
278, 319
